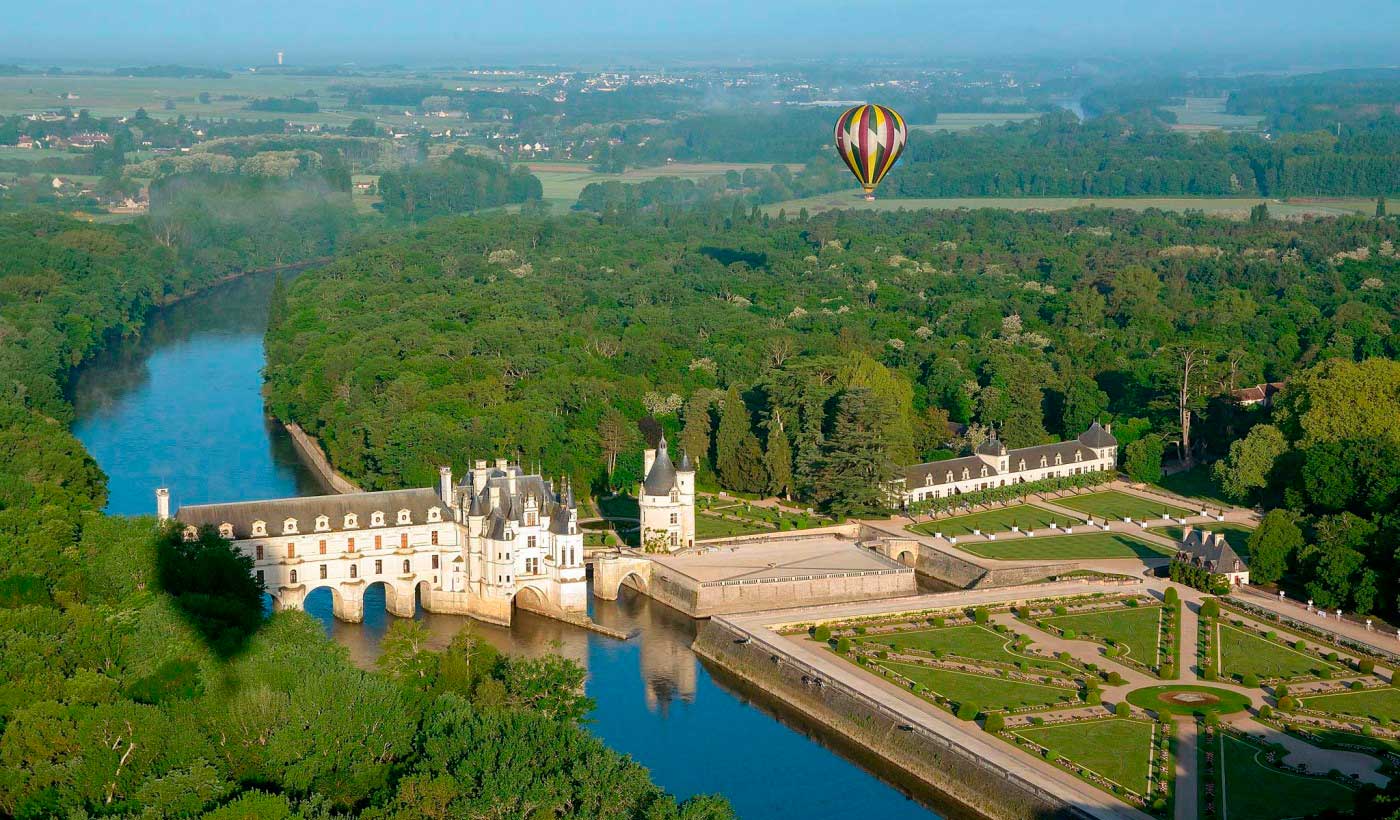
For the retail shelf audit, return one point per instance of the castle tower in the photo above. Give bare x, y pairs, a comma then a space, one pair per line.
666, 501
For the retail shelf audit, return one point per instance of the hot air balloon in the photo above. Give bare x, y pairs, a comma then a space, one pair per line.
870, 139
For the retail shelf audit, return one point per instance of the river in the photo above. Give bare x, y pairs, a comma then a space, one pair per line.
181, 406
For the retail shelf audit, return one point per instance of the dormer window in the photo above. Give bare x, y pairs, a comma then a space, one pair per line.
949, 479
966, 474
1058, 460
289, 526
226, 530
1078, 456
352, 521
434, 515
1021, 466
191, 533
675, 495
259, 528
984, 473
323, 523
1042, 461
928, 479
376, 519
404, 517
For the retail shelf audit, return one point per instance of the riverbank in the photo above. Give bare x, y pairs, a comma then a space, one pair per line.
309, 448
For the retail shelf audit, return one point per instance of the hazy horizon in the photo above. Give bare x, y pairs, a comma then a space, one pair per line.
544, 31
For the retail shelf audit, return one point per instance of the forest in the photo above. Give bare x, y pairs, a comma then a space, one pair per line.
457, 184
138, 676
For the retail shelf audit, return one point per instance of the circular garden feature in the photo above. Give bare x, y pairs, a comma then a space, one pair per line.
1188, 700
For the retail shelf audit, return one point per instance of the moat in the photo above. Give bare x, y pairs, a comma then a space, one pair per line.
182, 407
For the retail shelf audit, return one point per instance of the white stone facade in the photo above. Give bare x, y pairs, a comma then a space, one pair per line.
501, 538
993, 465
666, 500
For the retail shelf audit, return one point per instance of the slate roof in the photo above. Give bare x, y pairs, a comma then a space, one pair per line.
1210, 550
273, 512
661, 478
916, 476
1097, 436
510, 506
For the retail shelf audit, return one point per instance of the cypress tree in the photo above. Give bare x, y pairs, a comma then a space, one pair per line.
778, 460
738, 458
695, 438
856, 468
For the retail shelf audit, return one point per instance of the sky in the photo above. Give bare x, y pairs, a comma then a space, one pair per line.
423, 32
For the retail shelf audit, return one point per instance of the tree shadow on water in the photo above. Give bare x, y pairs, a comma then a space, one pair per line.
212, 586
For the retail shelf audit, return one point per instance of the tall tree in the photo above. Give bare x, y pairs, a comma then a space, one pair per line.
695, 436
1084, 402
1246, 469
1273, 545
738, 457
856, 469
778, 459
614, 433
1142, 459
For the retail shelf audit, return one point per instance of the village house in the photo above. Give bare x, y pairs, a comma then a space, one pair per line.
1212, 552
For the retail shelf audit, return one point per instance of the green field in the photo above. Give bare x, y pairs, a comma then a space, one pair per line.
1252, 790
1374, 703
1241, 653
968, 641
710, 526
1220, 701
1064, 547
1198, 482
1136, 630
564, 181
1227, 207
1115, 506
1208, 114
1025, 516
984, 691
1119, 749
1236, 535
956, 121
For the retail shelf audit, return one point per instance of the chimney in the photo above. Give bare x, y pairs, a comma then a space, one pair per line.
1219, 539
162, 504
1186, 533
495, 497
445, 485
648, 459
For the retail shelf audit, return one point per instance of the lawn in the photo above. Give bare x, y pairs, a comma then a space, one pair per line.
1064, 547
1137, 629
1237, 535
1197, 482
984, 691
968, 641
1115, 506
1375, 703
619, 506
1242, 653
1025, 516
1251, 789
1119, 749
1186, 699
710, 526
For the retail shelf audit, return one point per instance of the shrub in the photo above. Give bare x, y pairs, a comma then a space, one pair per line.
1287, 703
843, 645
1131, 602
860, 630
821, 633
1115, 679
980, 615
1208, 673
936, 621
1064, 657
1358, 685
1281, 690
1212, 719
994, 722
1070, 634
1332, 656
1266, 711
1167, 671
1110, 652
1122, 709
1250, 680
1060, 610
1300, 645
967, 711
1171, 596
1036, 720
1210, 608
1093, 697
1366, 666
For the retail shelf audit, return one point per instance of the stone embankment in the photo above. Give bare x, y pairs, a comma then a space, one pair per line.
315, 458
944, 760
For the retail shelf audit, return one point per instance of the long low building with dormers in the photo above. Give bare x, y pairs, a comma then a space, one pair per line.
498, 539
993, 465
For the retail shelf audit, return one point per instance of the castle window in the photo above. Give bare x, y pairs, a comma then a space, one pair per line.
354, 571
379, 542
675, 519
323, 546
435, 562
352, 521
675, 540
434, 515
323, 572
531, 519
530, 542
291, 549
294, 577
323, 523
259, 551
376, 519
349, 545
378, 567
225, 530
403, 540
259, 528
404, 517
405, 566
260, 576
675, 495
289, 527
434, 537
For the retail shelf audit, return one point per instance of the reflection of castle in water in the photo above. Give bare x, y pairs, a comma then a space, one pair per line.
668, 670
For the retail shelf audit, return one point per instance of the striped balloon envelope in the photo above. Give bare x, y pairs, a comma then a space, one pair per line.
870, 139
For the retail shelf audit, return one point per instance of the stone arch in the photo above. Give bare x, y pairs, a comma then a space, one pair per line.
632, 580
533, 599
906, 557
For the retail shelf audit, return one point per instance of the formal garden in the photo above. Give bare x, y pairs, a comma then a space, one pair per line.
1243, 779
1076, 546
1004, 519
1137, 631
1112, 505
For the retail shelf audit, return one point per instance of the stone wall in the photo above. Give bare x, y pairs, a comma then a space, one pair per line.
732, 597
933, 758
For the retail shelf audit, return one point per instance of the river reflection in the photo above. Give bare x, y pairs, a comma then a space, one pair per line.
182, 407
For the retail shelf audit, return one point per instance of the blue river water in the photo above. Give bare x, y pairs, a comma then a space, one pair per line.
182, 407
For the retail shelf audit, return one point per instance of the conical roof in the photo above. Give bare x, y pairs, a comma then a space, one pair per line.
661, 478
